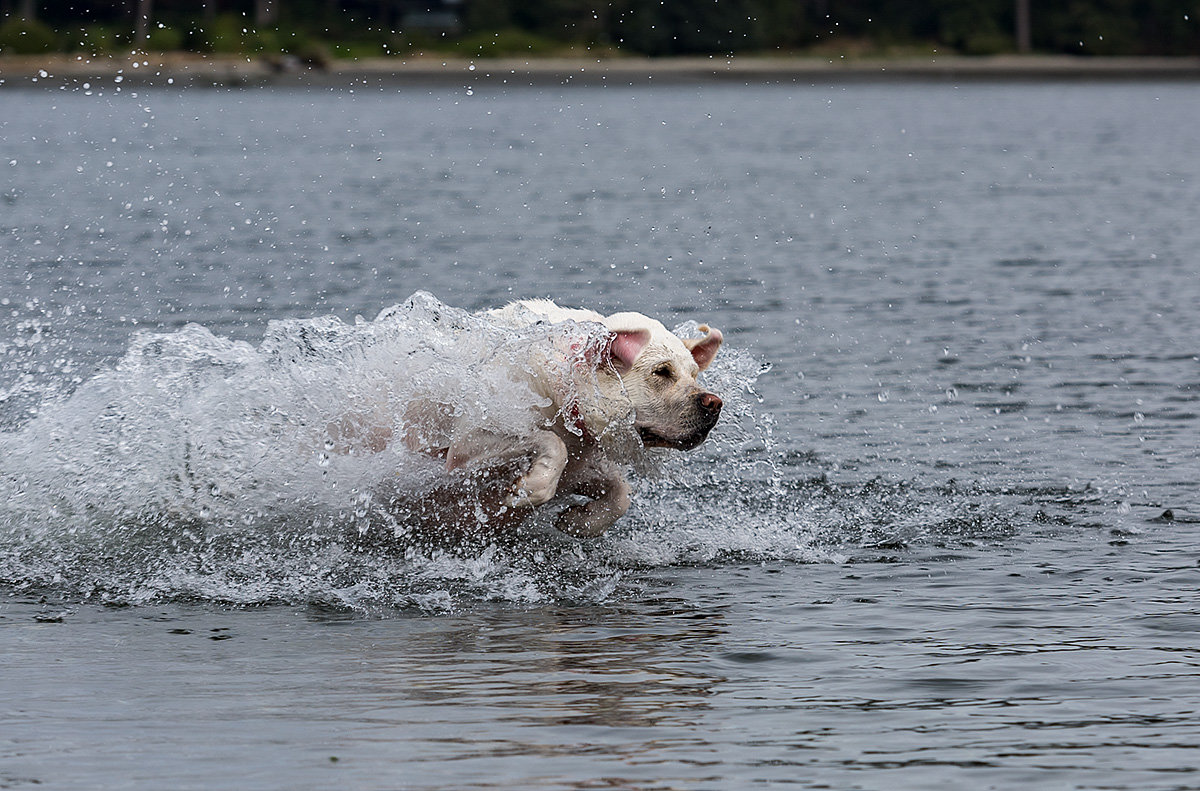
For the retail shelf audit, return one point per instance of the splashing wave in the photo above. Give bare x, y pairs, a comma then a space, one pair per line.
204, 468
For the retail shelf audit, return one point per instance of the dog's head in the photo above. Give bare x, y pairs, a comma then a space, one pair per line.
657, 371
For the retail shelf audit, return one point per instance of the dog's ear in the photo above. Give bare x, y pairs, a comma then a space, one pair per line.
626, 345
705, 349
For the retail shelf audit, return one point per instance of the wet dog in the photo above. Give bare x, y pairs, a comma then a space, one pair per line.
644, 374
606, 387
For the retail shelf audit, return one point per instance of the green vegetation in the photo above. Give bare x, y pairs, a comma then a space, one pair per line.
96, 39
26, 36
509, 41
315, 30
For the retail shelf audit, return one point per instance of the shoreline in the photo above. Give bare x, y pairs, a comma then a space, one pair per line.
180, 70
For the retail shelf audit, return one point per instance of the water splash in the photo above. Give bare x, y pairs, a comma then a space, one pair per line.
202, 468
207, 468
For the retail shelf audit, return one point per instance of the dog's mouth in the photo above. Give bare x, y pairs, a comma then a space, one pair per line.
652, 439
697, 425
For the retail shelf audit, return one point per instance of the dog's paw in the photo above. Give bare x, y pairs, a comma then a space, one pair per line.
541, 482
530, 494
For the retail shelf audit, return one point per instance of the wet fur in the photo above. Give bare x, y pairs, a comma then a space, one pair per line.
650, 370
646, 374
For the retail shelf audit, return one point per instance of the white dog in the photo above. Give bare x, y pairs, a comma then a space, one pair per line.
639, 376
646, 368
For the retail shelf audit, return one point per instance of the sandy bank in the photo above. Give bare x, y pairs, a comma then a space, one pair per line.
58, 71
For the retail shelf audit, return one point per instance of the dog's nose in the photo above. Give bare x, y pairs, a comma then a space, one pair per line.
708, 403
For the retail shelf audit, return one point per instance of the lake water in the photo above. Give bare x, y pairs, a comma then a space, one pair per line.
946, 536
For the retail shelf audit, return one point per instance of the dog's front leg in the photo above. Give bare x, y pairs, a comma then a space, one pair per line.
610, 500
484, 449
539, 484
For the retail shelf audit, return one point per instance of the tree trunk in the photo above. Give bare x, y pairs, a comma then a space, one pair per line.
141, 23
1024, 29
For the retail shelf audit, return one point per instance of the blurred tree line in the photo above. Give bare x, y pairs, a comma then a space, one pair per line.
478, 28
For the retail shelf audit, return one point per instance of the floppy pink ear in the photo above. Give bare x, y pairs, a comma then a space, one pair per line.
705, 349
626, 346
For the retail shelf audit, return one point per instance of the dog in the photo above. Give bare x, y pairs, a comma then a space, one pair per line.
644, 373
625, 384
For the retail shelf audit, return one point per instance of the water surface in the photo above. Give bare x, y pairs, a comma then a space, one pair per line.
947, 539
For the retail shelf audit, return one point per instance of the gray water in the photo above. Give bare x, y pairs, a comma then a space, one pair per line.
946, 536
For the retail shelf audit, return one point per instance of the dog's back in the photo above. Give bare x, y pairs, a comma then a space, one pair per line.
531, 311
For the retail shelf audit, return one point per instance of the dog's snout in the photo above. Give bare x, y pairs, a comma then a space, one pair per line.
708, 403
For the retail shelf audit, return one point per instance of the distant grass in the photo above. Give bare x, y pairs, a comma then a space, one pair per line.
507, 43
233, 34
852, 48
96, 39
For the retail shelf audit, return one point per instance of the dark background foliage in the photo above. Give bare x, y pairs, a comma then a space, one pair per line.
648, 27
